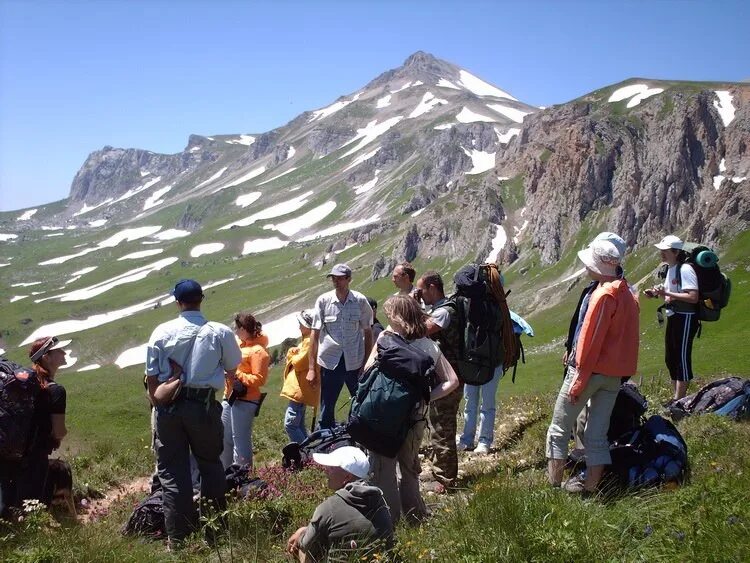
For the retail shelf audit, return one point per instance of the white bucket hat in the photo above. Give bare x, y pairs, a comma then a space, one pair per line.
617, 240
670, 241
601, 257
348, 458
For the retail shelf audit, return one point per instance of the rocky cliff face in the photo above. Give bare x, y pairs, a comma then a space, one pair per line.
669, 164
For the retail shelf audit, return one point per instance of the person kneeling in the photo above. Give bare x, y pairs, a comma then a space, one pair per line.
354, 517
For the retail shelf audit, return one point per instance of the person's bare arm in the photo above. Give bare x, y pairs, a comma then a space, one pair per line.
59, 431
312, 373
447, 377
368, 345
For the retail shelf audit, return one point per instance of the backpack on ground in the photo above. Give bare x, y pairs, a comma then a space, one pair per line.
485, 323
389, 391
19, 389
296, 455
727, 397
714, 287
147, 518
652, 455
627, 414
240, 480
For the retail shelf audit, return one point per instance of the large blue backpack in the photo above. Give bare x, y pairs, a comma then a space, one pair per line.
651, 455
383, 409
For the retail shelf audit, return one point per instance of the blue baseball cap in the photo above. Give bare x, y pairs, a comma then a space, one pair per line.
187, 291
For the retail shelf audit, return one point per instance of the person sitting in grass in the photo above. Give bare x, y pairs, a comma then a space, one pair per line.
354, 518
604, 350
296, 388
242, 396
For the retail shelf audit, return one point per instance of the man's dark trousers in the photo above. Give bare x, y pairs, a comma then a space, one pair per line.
189, 425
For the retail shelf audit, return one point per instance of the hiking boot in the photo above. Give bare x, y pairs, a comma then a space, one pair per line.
482, 449
461, 447
575, 484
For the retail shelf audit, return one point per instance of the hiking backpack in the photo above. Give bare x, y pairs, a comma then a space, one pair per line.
240, 480
19, 389
147, 518
652, 455
714, 287
727, 397
296, 455
484, 321
389, 391
627, 414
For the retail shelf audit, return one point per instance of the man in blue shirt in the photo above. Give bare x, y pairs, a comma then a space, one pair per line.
202, 354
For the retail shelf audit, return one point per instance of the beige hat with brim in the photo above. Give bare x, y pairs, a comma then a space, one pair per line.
601, 257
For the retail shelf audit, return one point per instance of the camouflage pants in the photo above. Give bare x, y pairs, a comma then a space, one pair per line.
443, 425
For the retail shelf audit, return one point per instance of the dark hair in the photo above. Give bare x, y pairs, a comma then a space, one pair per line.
431, 277
247, 321
40, 368
373, 303
404, 311
409, 270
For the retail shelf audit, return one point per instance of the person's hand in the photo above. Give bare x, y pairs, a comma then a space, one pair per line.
293, 350
312, 378
292, 544
572, 399
660, 291
565, 357
650, 293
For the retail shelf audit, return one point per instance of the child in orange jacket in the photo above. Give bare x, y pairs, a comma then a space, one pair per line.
296, 388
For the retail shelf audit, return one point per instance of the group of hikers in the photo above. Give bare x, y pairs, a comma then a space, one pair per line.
196, 438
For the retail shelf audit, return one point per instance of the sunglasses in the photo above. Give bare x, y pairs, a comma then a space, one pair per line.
51, 342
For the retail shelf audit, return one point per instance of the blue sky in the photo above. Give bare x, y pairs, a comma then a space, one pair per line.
75, 76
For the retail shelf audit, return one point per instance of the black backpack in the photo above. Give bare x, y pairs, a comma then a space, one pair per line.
147, 518
714, 287
627, 414
485, 323
240, 480
653, 454
383, 407
296, 455
19, 389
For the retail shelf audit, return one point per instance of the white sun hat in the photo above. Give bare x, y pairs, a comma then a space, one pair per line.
348, 458
601, 257
670, 241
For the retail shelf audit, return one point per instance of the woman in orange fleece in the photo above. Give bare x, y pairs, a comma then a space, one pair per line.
605, 348
244, 396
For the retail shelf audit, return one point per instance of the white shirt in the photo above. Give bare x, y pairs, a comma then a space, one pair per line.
204, 350
440, 315
689, 281
341, 329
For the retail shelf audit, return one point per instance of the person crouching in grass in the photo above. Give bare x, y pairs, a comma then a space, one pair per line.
605, 349
296, 388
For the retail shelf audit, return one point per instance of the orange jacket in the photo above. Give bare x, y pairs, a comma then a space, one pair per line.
296, 388
608, 341
253, 369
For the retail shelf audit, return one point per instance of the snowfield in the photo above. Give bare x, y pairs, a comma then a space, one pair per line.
247, 199
368, 134
215, 176
333, 108
26, 215
515, 114
367, 186
132, 356
468, 116
7, 236
130, 193
505, 138
362, 158
498, 243
249, 176
479, 87
638, 93
171, 234
292, 169
428, 102
208, 248
243, 140
443, 83
141, 254
96, 223
124, 235
262, 245
87, 208
340, 228
277, 210
304, 221
724, 106
383, 102
155, 198
481, 161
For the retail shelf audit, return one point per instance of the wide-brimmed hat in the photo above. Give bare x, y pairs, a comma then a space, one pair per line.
305, 318
41, 347
670, 241
348, 458
617, 240
601, 257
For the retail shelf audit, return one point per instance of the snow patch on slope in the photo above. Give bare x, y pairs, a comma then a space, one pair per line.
208, 248
261, 245
724, 106
333, 108
277, 210
26, 215
249, 176
468, 116
498, 243
481, 161
480, 87
515, 114
368, 134
428, 102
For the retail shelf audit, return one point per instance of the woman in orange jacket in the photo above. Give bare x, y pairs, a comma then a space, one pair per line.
296, 388
604, 349
241, 401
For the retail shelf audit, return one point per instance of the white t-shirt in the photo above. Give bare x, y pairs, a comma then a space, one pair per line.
689, 279
440, 315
